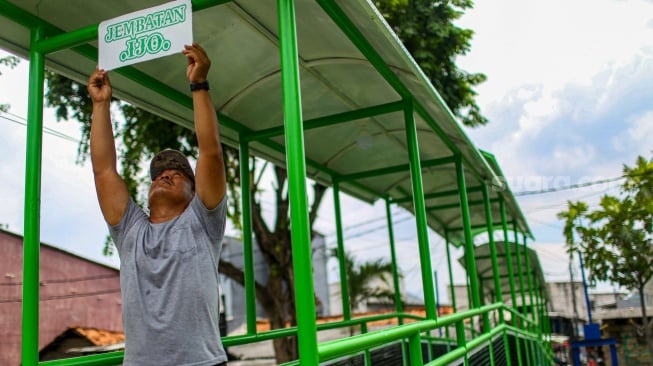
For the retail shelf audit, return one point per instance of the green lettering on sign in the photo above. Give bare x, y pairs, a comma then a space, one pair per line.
141, 34
140, 46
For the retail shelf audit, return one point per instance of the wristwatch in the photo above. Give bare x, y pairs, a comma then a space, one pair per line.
204, 85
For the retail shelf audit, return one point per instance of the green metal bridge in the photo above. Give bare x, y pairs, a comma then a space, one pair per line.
296, 82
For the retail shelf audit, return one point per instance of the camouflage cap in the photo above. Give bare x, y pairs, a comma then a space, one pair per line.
170, 159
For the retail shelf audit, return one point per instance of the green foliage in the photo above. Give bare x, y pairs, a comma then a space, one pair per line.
360, 276
615, 239
427, 30
11, 62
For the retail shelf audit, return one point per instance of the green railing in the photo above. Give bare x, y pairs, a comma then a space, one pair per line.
412, 333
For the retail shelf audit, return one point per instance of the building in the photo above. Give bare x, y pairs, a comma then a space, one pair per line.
233, 294
74, 292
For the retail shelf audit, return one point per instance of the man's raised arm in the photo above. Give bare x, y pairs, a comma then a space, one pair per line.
110, 188
210, 179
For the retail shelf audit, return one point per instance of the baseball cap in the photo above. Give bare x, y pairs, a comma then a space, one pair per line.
170, 159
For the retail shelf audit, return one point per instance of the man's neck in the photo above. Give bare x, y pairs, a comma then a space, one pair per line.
161, 213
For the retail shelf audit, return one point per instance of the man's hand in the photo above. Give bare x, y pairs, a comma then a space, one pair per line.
99, 86
198, 63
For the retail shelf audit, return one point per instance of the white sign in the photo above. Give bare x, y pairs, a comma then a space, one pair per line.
145, 35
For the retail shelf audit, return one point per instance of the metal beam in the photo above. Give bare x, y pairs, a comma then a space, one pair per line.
332, 119
437, 194
395, 169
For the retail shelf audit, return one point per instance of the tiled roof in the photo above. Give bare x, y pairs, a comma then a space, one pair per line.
100, 337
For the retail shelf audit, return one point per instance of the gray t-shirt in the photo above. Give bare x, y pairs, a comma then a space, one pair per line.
169, 286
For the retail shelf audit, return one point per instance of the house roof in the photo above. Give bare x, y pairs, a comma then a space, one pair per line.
99, 337
101, 340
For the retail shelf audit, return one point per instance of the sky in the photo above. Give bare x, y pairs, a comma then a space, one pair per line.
568, 96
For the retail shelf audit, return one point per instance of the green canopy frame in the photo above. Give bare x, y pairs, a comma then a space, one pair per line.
325, 88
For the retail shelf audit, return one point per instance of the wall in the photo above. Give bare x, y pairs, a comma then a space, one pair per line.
73, 292
631, 348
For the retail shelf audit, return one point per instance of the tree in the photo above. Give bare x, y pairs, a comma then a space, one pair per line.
616, 239
427, 30
11, 62
142, 134
360, 277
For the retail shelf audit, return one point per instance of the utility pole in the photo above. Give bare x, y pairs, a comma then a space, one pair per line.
574, 330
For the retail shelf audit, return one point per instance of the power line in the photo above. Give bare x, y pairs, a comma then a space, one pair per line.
65, 280
568, 187
20, 120
372, 230
69, 296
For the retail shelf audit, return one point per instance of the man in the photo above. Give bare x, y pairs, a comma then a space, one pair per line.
169, 259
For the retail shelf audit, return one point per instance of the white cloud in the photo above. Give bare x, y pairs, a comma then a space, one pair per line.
553, 43
537, 113
638, 134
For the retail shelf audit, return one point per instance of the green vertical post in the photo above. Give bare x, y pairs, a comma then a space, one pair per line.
248, 252
521, 283
32, 225
527, 287
519, 268
415, 349
296, 162
495, 263
506, 240
511, 275
367, 356
493, 247
540, 322
344, 285
486, 315
486, 322
399, 307
429, 348
469, 239
451, 286
461, 339
491, 349
531, 288
420, 211
547, 320
529, 278
468, 287
453, 291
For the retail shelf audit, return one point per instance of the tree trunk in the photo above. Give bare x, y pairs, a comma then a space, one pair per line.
280, 312
277, 296
647, 329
